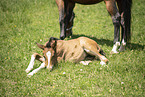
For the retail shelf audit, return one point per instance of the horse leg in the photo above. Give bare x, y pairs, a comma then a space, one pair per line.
70, 17
70, 25
65, 13
94, 52
62, 14
115, 15
123, 43
125, 11
33, 57
121, 8
92, 48
36, 70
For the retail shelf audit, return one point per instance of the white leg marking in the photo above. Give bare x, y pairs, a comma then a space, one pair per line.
36, 70
86, 50
102, 63
89, 51
115, 46
85, 62
30, 66
48, 54
122, 47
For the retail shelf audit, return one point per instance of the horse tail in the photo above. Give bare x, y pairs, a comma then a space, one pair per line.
126, 9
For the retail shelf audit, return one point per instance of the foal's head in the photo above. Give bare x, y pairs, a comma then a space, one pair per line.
49, 50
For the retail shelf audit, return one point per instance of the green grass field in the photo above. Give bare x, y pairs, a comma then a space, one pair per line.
24, 22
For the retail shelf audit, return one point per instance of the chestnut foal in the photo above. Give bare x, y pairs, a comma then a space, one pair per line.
75, 50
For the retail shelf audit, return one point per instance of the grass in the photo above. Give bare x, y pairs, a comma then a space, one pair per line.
24, 22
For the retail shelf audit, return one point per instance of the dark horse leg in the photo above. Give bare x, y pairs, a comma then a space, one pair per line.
115, 15
70, 26
125, 11
124, 20
65, 14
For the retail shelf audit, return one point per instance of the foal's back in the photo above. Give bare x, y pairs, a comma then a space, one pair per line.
70, 50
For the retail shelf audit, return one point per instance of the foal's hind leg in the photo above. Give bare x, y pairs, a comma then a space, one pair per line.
33, 57
94, 52
113, 11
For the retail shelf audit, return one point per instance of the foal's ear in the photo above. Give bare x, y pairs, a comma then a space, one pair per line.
51, 41
40, 46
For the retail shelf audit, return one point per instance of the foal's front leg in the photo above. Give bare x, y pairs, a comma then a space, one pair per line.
36, 70
33, 57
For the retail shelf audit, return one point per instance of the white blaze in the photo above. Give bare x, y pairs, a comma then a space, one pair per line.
48, 54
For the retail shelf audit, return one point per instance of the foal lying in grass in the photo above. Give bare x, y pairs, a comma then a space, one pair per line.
75, 50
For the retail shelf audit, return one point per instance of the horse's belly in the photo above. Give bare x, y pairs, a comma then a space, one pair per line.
87, 2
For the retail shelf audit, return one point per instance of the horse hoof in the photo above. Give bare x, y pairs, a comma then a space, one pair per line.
62, 37
30, 74
102, 63
122, 48
27, 70
85, 62
49, 69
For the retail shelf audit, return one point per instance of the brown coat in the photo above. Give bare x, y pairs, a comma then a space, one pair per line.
74, 50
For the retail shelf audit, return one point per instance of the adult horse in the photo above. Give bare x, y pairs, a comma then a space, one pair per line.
121, 16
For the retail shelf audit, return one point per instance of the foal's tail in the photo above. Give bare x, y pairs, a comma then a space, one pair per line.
126, 8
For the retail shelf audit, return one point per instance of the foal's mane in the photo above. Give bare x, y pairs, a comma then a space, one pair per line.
50, 40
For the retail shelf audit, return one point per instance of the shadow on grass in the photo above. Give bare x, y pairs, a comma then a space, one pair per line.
131, 46
99, 41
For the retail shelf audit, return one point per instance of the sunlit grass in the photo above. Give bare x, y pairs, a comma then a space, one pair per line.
24, 22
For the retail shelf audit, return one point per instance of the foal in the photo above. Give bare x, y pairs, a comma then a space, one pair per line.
74, 50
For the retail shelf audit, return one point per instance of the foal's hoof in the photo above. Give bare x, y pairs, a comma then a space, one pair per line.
29, 75
102, 63
85, 62
27, 70
49, 69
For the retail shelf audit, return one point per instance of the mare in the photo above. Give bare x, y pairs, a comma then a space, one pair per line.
119, 10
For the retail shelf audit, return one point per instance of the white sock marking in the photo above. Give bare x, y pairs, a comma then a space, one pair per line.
85, 62
115, 46
30, 66
36, 70
86, 50
102, 63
